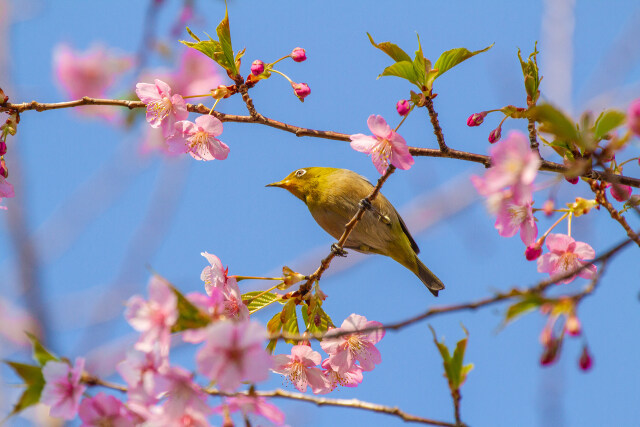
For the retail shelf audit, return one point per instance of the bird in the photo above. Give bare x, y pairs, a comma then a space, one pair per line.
333, 197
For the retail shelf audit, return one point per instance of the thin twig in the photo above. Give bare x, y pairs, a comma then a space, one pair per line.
437, 130
533, 137
601, 198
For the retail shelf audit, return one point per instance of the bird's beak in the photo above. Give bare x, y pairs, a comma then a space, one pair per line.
282, 184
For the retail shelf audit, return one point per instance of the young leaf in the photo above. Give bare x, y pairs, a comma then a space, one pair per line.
402, 69
421, 66
315, 318
453, 57
531, 75
607, 122
455, 371
263, 300
33, 379
274, 326
40, 353
224, 35
189, 316
554, 121
289, 320
391, 49
528, 303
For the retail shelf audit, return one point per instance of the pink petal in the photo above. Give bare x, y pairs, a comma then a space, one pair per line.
281, 363
401, 157
378, 126
163, 88
528, 232
369, 356
256, 365
547, 262
179, 107
373, 336
558, 242
379, 162
584, 251
210, 124
363, 143
217, 148
341, 361
253, 334
147, 92
589, 272
316, 380
6, 189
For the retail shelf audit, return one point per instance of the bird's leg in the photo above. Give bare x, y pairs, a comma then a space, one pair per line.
366, 204
338, 250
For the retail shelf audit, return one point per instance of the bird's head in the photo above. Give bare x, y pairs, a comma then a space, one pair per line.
301, 182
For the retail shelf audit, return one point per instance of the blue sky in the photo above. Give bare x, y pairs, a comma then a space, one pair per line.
148, 212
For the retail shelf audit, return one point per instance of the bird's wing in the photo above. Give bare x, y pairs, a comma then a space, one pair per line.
414, 245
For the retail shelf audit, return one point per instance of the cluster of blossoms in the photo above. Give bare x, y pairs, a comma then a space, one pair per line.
385, 146
232, 353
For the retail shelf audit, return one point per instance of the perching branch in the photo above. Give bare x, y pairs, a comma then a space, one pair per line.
300, 131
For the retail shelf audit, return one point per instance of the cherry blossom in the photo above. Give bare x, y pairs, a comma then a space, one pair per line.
351, 378
199, 139
300, 368
302, 90
183, 398
252, 405
566, 255
6, 190
234, 352
512, 164
163, 109
345, 350
104, 410
403, 107
143, 375
153, 318
213, 275
633, 117
515, 215
385, 145
62, 390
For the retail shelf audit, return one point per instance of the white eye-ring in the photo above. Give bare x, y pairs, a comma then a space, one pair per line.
300, 172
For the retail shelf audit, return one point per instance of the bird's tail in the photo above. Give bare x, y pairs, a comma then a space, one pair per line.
429, 279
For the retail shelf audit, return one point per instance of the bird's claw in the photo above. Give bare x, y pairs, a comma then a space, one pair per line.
366, 204
338, 251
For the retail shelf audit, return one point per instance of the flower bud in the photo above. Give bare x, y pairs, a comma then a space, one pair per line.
585, 362
495, 134
299, 54
551, 352
573, 180
533, 252
301, 90
403, 107
3, 169
620, 192
221, 92
476, 119
257, 67
572, 325
633, 117
3, 148
548, 206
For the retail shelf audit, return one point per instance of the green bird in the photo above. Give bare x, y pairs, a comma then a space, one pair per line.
333, 196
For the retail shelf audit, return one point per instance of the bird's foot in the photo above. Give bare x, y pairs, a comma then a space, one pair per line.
366, 204
338, 251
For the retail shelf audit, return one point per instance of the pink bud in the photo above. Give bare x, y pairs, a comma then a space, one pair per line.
620, 192
533, 252
551, 352
548, 206
495, 134
3, 169
633, 117
301, 90
572, 325
476, 119
3, 148
573, 180
298, 54
403, 107
585, 362
257, 67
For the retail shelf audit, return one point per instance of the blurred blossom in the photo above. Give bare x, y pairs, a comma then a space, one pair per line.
566, 255
104, 410
252, 405
633, 117
14, 321
351, 378
62, 390
515, 215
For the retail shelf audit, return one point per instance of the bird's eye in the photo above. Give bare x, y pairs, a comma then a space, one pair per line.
300, 172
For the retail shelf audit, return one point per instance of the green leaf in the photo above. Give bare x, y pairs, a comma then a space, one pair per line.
421, 66
189, 316
402, 69
224, 35
554, 121
263, 300
40, 353
391, 49
531, 75
528, 303
315, 318
454, 370
453, 57
289, 319
607, 122
33, 379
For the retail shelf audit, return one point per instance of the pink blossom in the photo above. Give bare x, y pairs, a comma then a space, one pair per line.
351, 378
104, 410
143, 374
62, 390
163, 109
300, 368
515, 215
182, 394
257, 67
345, 350
512, 164
403, 107
533, 252
252, 405
586, 361
302, 90
620, 192
213, 275
566, 255
199, 139
88, 73
299, 54
385, 145
6, 189
633, 117
234, 352
153, 318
